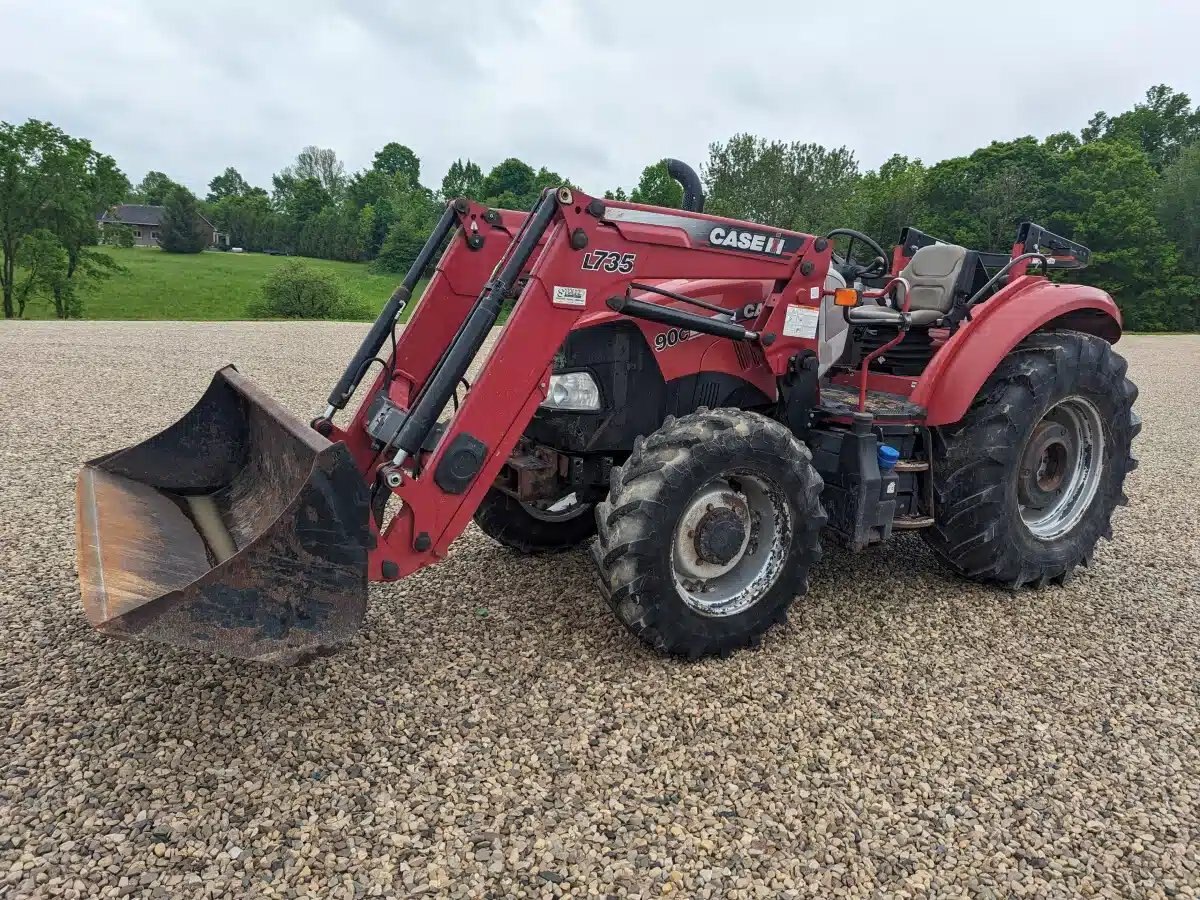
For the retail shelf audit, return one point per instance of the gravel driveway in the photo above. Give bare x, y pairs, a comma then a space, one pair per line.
493, 732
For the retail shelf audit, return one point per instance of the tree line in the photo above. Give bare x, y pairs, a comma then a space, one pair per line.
381, 214
1125, 185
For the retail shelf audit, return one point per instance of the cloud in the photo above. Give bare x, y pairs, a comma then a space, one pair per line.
594, 91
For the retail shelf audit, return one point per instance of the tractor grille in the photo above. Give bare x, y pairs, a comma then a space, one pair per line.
749, 356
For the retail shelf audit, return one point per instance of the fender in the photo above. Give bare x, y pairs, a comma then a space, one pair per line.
956, 373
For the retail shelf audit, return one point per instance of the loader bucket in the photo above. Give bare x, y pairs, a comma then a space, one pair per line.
238, 530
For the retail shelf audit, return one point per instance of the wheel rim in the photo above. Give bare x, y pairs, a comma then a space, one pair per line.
1061, 468
561, 510
730, 544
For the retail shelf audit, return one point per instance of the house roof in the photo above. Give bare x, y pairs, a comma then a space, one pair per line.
134, 214
139, 214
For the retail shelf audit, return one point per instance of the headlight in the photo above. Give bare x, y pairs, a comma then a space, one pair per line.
572, 391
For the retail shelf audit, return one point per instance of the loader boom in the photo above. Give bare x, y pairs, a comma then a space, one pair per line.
474, 249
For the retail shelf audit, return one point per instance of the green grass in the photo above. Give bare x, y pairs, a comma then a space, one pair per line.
206, 286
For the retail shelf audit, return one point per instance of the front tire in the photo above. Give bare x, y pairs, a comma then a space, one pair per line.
709, 531
1026, 482
529, 529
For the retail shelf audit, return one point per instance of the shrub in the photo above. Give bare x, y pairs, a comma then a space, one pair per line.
298, 291
116, 234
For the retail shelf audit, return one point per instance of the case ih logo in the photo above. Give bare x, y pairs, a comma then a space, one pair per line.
752, 241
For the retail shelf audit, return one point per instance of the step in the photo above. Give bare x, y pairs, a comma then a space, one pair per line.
911, 523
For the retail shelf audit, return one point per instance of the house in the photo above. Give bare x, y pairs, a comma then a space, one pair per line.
146, 220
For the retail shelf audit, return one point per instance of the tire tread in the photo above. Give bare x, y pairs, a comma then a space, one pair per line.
971, 458
630, 524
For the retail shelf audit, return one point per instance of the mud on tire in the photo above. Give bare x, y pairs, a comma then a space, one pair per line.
639, 524
982, 464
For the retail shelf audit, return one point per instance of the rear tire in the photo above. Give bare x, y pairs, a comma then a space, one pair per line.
709, 531
527, 530
1026, 482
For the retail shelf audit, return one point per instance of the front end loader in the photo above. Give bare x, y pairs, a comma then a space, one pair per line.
698, 399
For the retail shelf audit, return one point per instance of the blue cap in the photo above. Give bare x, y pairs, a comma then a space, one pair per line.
888, 455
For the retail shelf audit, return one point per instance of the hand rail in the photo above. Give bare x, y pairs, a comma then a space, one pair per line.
978, 295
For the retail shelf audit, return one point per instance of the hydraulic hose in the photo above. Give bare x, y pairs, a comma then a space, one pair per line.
458, 356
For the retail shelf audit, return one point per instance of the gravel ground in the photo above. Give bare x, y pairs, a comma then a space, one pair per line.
492, 732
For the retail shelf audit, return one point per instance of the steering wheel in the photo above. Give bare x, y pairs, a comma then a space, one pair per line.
875, 269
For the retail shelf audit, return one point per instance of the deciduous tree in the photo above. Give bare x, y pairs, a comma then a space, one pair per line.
308, 197
153, 189
74, 225
370, 186
1179, 204
510, 185
249, 220
322, 165
52, 188
1162, 125
657, 188
462, 179
1106, 200
790, 185
396, 160
229, 183
979, 200
888, 199
416, 215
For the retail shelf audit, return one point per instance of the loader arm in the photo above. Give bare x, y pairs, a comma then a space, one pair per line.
473, 251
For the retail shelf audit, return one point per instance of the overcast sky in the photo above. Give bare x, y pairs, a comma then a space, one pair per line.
594, 89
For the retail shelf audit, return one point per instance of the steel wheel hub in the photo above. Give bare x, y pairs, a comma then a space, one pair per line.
730, 544
713, 533
1061, 468
1046, 465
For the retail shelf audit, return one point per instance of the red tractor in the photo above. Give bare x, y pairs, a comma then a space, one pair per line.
700, 398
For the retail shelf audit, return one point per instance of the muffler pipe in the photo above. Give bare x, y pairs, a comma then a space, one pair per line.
693, 195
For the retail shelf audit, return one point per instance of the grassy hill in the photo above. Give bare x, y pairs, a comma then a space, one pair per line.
202, 286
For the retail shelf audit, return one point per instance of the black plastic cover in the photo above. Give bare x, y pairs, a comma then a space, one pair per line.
460, 464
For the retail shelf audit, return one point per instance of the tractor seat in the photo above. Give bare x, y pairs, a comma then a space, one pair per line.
932, 275
931, 280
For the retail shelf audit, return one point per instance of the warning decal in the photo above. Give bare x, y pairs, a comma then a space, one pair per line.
801, 321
